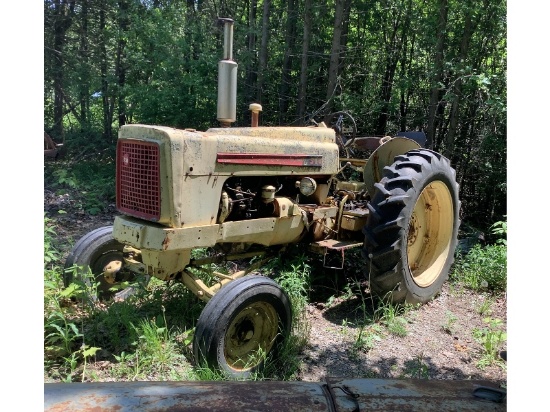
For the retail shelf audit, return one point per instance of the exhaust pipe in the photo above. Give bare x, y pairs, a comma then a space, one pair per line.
227, 78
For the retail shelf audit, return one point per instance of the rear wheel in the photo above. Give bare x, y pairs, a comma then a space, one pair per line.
411, 232
91, 256
243, 324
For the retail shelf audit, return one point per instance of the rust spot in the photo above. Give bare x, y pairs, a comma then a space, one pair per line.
375, 162
165, 243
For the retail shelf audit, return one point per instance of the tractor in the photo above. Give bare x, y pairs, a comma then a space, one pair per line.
249, 192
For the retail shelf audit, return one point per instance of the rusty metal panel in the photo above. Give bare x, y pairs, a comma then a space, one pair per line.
336, 395
353, 223
185, 396
384, 156
377, 395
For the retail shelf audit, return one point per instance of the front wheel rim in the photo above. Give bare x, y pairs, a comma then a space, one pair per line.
430, 233
250, 336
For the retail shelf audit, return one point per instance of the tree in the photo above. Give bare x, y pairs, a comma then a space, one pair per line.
341, 14
62, 12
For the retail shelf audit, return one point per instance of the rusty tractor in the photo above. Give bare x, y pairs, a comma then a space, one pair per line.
249, 192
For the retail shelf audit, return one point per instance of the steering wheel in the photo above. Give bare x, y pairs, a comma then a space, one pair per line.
346, 129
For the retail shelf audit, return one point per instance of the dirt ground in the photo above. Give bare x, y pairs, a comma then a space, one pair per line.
439, 341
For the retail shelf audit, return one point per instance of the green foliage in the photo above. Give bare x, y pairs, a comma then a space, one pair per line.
156, 349
501, 230
393, 316
366, 338
491, 339
156, 63
294, 278
450, 321
93, 179
416, 368
483, 268
484, 308
293, 273
51, 254
63, 334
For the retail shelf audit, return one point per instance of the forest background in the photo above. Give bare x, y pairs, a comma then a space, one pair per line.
406, 65
26, 82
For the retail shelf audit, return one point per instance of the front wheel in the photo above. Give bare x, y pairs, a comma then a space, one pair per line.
90, 256
412, 228
244, 323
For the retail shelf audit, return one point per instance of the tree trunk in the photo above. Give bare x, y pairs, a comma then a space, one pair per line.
302, 89
107, 113
436, 92
395, 48
63, 20
84, 53
263, 50
290, 39
406, 64
469, 28
121, 65
251, 69
335, 56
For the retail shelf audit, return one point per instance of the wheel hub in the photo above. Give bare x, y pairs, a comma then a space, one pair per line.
250, 336
429, 233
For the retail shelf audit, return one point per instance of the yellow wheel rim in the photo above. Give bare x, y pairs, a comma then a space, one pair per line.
430, 233
251, 336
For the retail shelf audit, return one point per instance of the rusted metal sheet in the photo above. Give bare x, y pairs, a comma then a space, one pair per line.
335, 395
185, 396
385, 156
377, 395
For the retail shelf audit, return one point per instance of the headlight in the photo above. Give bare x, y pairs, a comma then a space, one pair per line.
307, 186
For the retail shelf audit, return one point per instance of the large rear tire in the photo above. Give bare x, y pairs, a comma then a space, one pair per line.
412, 228
244, 323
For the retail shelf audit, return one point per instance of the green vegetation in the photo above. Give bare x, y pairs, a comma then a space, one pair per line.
148, 336
491, 339
417, 368
93, 178
449, 326
440, 69
483, 268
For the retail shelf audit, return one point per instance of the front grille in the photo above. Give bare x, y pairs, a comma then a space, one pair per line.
138, 179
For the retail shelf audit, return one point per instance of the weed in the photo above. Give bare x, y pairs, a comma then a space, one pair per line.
491, 339
71, 362
398, 327
500, 229
93, 178
450, 320
484, 267
392, 316
417, 368
86, 353
60, 332
294, 279
367, 337
484, 308
51, 254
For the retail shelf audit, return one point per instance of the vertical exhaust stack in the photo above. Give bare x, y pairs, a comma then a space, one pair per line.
227, 78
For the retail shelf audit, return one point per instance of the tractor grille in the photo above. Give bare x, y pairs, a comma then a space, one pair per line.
138, 179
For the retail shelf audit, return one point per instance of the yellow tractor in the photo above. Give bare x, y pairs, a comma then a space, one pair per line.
249, 192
